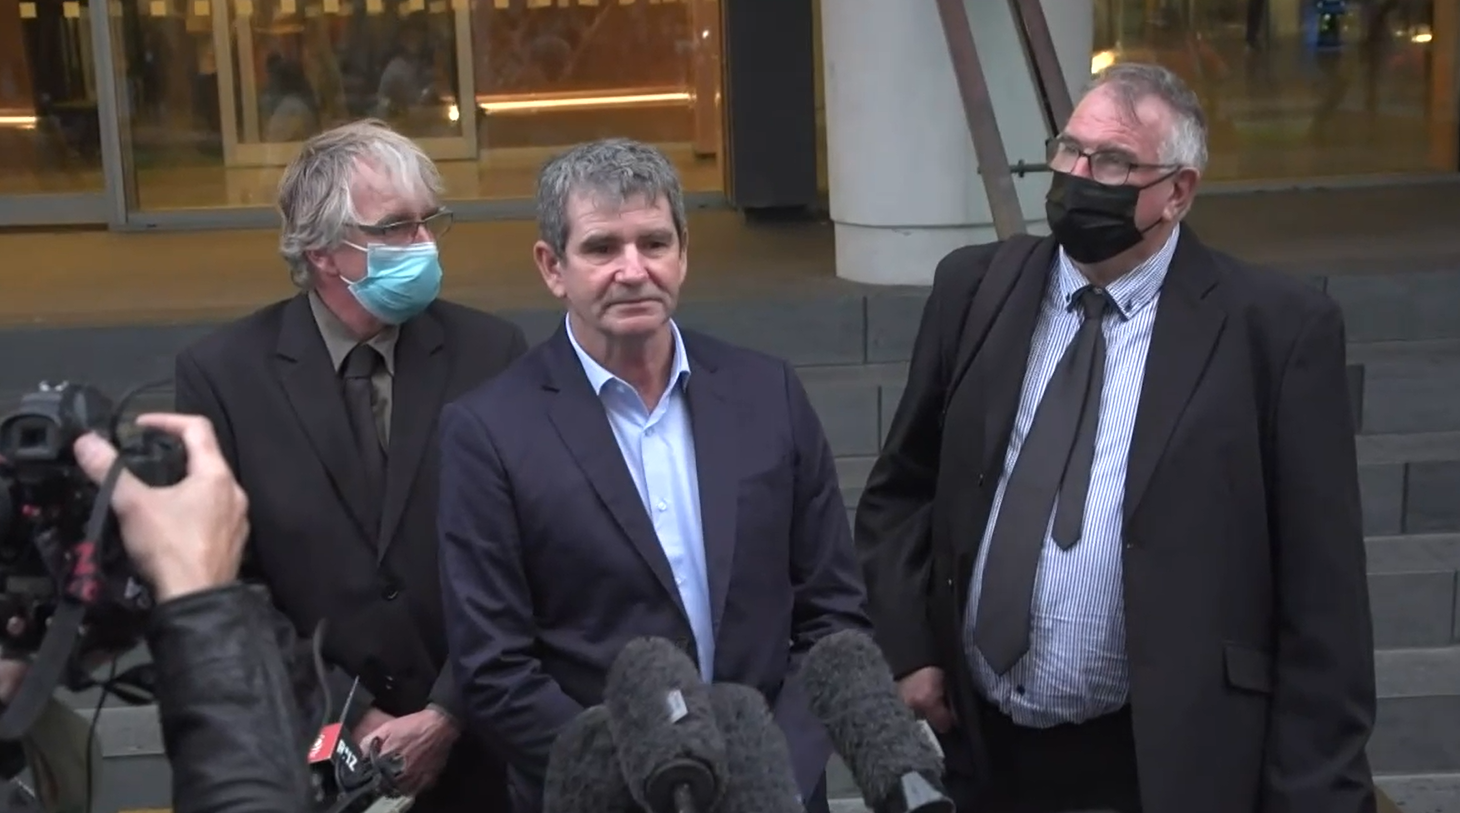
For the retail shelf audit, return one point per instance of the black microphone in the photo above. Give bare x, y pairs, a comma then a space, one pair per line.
670, 751
852, 692
759, 762
582, 772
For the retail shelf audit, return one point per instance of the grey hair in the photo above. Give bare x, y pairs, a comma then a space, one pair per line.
315, 193
1133, 82
609, 171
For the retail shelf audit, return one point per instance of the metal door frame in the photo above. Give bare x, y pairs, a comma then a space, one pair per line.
249, 152
104, 205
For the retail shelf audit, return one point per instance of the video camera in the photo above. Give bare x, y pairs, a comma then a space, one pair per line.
68, 591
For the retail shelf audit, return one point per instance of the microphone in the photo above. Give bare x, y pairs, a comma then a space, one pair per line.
582, 772
759, 762
852, 693
670, 751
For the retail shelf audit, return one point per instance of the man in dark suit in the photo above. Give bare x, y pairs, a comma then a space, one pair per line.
325, 405
1112, 543
627, 479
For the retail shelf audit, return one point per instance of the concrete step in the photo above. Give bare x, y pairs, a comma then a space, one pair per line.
1419, 711
1421, 793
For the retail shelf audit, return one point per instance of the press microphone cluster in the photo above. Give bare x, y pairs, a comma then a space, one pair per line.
345, 780
664, 742
894, 763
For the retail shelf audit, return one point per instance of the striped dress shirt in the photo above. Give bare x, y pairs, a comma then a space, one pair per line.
1076, 667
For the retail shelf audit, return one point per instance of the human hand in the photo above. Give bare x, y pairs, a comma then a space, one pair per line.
923, 692
186, 537
422, 741
370, 722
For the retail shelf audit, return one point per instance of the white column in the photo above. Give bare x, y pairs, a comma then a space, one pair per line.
903, 179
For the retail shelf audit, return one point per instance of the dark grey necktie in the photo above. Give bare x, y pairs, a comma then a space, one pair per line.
1054, 461
360, 365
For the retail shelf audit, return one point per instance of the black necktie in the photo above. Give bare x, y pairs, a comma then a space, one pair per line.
360, 365
1054, 461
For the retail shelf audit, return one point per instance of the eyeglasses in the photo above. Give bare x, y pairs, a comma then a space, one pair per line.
403, 232
1111, 167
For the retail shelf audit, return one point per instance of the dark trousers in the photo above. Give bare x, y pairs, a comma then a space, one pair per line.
1089, 767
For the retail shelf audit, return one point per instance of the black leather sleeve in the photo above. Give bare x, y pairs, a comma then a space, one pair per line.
226, 698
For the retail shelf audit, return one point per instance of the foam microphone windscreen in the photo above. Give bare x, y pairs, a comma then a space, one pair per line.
582, 771
852, 693
760, 776
669, 748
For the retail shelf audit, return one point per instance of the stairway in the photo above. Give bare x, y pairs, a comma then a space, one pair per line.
1404, 360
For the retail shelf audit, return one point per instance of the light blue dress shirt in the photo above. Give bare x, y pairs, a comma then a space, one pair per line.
659, 449
1076, 669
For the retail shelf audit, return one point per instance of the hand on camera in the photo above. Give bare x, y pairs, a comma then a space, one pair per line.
183, 538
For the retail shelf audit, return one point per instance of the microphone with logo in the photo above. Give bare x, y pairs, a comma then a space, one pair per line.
895, 765
582, 772
669, 749
344, 780
760, 779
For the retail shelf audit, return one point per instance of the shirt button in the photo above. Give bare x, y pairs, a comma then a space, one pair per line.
649, 431
662, 506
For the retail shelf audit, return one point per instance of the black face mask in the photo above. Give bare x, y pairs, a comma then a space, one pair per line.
1094, 221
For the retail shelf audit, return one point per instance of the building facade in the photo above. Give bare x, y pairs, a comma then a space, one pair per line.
157, 114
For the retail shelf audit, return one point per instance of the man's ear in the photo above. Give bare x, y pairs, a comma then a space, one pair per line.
1184, 185
550, 267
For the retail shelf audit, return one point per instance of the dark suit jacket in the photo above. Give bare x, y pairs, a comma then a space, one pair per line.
267, 383
1246, 601
550, 563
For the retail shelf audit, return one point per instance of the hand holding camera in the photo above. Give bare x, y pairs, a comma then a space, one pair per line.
186, 537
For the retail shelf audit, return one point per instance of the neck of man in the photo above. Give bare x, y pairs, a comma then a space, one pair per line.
361, 324
1107, 272
641, 361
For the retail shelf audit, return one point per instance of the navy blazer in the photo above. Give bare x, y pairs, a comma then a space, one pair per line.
550, 564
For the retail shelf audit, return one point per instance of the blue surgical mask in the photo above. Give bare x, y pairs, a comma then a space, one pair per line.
399, 281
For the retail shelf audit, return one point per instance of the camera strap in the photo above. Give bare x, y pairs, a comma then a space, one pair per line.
64, 628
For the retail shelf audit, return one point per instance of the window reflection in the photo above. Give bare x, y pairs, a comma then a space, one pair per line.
224, 91
1304, 88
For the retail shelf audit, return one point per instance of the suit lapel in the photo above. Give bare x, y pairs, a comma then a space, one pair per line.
1186, 331
421, 372
1000, 367
714, 423
309, 381
580, 419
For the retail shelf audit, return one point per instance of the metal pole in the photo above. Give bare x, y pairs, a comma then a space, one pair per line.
988, 145
1044, 62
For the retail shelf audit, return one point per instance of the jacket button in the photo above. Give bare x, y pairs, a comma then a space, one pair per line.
389, 683
389, 589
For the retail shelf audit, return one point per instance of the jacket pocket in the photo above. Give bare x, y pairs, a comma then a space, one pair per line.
1248, 668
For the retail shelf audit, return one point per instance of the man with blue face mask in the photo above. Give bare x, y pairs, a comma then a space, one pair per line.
325, 405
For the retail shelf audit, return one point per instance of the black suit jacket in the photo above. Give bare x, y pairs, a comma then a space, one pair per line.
550, 563
267, 384
1247, 613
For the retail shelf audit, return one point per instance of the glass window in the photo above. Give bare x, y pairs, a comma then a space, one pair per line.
225, 91
49, 139
1304, 88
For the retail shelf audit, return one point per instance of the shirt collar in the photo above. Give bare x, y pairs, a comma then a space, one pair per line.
1131, 292
599, 376
339, 341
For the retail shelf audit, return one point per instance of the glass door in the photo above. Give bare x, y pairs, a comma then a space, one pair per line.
292, 68
50, 133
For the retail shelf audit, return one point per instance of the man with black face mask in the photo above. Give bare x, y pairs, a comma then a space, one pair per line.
1112, 543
